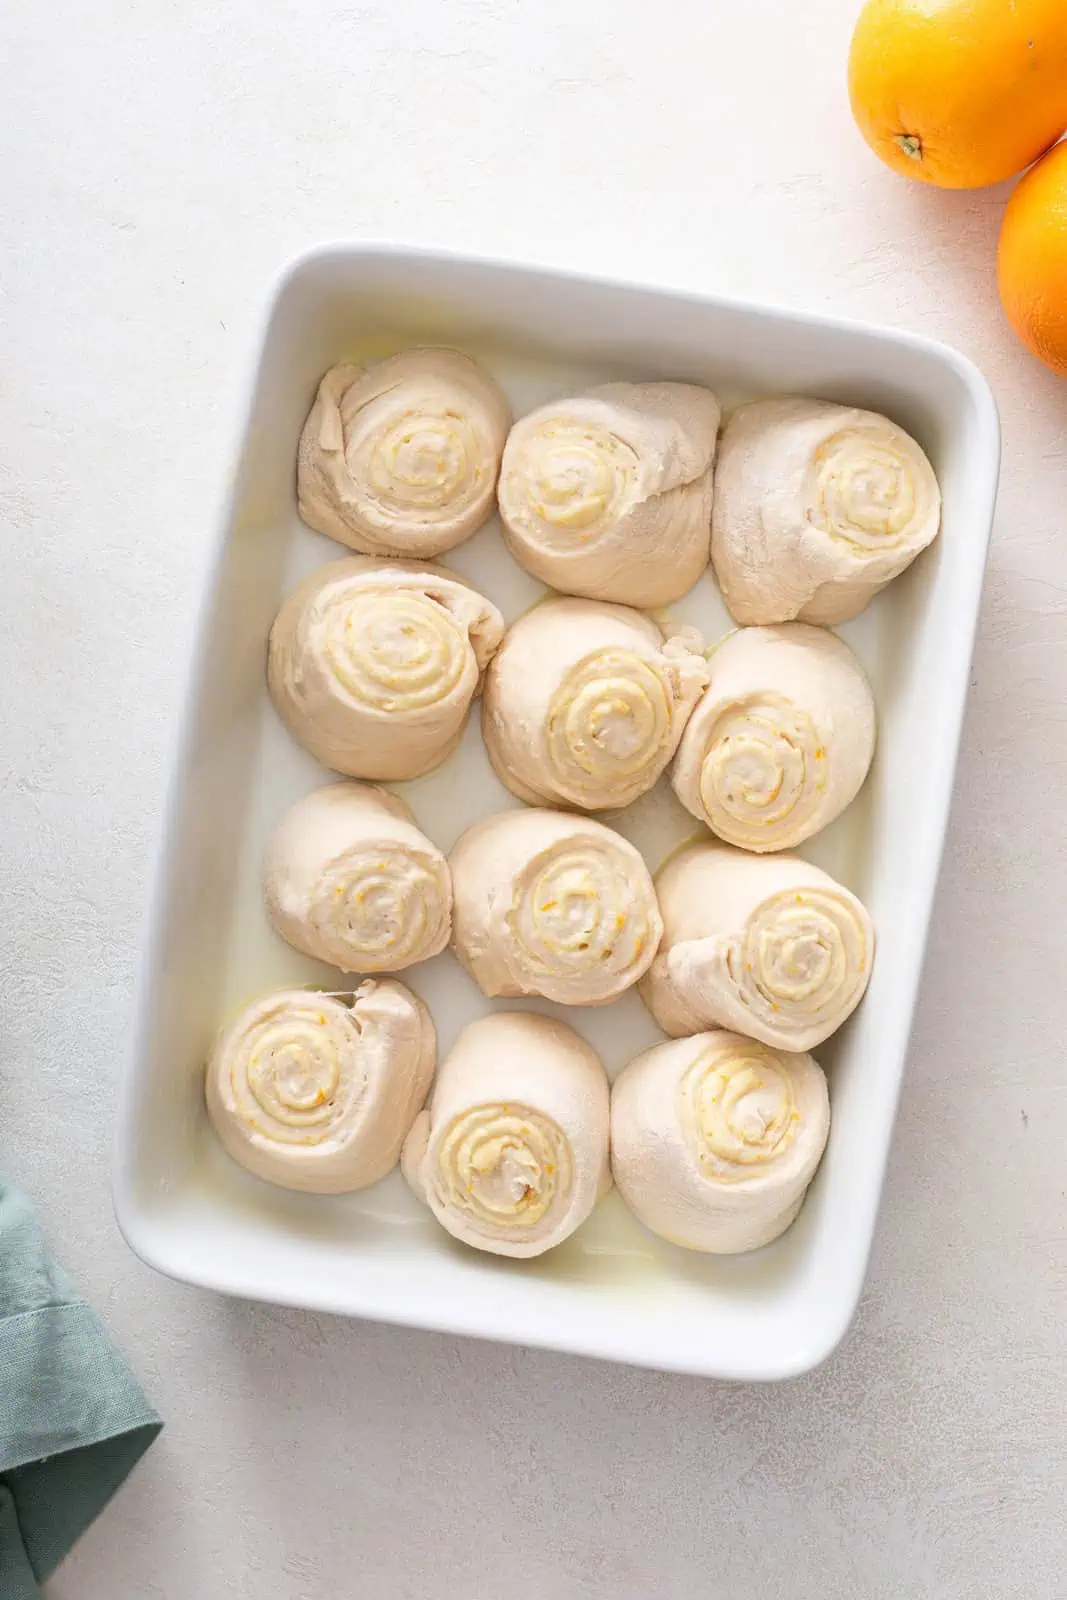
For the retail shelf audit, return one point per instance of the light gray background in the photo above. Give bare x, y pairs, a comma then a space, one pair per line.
163, 160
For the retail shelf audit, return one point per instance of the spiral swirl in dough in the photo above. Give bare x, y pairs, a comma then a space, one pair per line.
352, 881
511, 1155
552, 904
401, 459
373, 665
817, 507
769, 945
715, 1139
313, 1092
608, 494
782, 739
585, 704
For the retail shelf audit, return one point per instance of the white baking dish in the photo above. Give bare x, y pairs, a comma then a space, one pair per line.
612, 1290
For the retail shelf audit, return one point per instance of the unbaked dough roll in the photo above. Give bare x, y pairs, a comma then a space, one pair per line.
373, 665
552, 904
817, 507
511, 1154
715, 1139
351, 880
317, 1091
401, 459
585, 704
608, 494
781, 740
769, 945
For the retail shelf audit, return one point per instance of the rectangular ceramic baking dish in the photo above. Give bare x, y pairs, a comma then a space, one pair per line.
612, 1290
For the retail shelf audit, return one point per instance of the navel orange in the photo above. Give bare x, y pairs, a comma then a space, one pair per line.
1032, 260
960, 93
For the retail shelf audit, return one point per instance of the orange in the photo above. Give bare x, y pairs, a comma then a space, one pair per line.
1032, 260
960, 92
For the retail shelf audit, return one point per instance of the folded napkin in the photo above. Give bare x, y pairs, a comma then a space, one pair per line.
72, 1420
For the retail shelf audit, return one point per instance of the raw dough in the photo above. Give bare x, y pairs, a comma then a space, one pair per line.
553, 904
817, 508
512, 1153
351, 880
715, 1139
585, 703
781, 740
608, 494
401, 459
373, 665
769, 945
317, 1091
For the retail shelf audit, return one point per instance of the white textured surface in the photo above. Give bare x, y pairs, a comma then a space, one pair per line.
161, 162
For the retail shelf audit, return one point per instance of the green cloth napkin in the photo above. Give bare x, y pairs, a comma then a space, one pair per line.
72, 1420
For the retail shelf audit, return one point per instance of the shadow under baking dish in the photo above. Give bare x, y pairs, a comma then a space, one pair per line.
612, 1290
